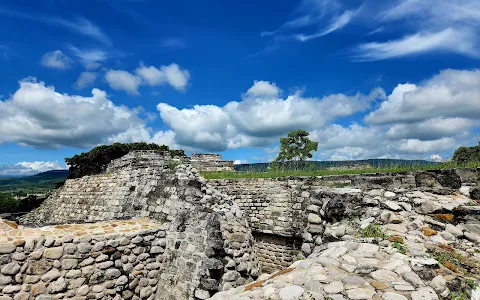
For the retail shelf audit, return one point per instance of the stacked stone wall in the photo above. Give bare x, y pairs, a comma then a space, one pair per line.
276, 252
116, 266
209, 243
274, 205
150, 158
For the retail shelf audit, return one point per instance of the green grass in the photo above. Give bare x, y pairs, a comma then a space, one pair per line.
328, 172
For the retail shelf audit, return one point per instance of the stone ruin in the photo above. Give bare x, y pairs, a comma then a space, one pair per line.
202, 162
149, 228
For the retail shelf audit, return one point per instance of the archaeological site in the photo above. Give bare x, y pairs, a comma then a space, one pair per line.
150, 227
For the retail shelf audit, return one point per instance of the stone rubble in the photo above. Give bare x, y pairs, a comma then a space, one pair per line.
389, 244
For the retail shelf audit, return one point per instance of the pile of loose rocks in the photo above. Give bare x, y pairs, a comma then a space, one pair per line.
380, 244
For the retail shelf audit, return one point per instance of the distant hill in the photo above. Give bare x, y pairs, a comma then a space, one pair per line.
375, 163
39, 183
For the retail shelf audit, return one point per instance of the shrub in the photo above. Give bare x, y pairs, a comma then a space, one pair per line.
464, 155
373, 231
8, 204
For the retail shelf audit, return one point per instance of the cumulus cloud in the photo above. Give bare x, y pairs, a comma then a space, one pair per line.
172, 74
430, 129
263, 88
260, 118
452, 94
36, 115
418, 146
436, 158
86, 79
56, 60
123, 81
29, 168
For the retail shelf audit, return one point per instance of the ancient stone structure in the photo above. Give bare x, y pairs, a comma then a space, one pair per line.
391, 236
210, 162
201, 162
370, 241
207, 243
280, 206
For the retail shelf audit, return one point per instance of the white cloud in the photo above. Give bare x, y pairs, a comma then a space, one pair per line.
171, 74
151, 75
450, 94
263, 88
36, 115
79, 25
336, 24
56, 60
176, 77
436, 158
91, 58
29, 168
240, 161
430, 129
40, 166
123, 81
449, 40
418, 146
314, 13
432, 26
434, 13
259, 119
433, 117
86, 79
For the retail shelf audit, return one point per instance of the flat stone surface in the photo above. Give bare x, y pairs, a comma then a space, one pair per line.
291, 292
334, 287
393, 296
384, 275
9, 234
361, 293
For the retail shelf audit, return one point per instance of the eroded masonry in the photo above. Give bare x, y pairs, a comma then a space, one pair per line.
152, 228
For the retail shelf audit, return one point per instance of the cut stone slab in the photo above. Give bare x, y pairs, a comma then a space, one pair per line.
293, 292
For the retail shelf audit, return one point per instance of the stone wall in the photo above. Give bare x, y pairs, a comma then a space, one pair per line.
150, 158
277, 205
209, 243
303, 208
276, 252
116, 266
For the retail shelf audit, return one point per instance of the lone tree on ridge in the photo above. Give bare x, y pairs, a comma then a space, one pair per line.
296, 147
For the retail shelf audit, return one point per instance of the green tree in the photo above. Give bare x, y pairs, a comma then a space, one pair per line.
464, 155
296, 147
8, 204
96, 160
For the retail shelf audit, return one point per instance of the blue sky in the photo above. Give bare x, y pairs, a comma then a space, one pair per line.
398, 79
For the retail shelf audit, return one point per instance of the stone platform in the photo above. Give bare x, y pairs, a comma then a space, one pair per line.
10, 231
